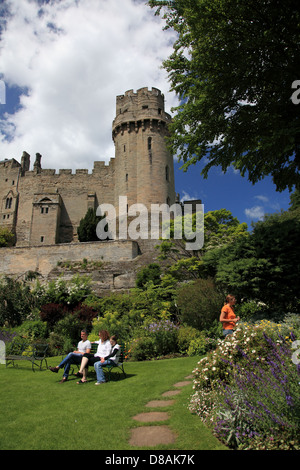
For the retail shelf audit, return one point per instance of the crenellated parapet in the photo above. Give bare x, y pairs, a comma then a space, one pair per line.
142, 110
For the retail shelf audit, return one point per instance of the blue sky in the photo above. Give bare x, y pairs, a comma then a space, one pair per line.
64, 62
248, 202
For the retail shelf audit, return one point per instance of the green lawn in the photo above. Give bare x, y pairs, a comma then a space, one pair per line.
37, 412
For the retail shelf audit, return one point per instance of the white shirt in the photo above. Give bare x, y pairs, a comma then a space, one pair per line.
83, 346
104, 349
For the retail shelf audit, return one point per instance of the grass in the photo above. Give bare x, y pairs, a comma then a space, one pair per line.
39, 413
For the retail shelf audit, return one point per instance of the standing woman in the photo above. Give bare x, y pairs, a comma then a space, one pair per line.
228, 317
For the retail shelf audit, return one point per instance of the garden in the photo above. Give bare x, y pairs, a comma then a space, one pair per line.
245, 391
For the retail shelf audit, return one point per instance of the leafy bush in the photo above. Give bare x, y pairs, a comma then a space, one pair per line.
69, 293
151, 272
142, 348
185, 335
69, 327
59, 344
52, 313
252, 310
164, 334
197, 347
7, 238
199, 303
84, 314
33, 329
16, 302
247, 389
269, 399
116, 323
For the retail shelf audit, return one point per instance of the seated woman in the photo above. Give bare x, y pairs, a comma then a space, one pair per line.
103, 350
111, 359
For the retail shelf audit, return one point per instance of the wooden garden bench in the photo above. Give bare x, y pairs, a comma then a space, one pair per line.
21, 350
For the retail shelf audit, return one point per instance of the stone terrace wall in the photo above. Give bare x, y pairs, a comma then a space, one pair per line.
44, 259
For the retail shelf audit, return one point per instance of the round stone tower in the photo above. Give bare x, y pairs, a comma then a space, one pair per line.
144, 170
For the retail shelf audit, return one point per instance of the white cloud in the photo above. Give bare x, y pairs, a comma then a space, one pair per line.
255, 213
263, 199
74, 58
188, 197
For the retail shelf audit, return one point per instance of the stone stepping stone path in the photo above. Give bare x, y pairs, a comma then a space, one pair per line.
151, 436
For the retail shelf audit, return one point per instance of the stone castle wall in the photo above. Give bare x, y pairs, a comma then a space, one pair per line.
43, 208
44, 259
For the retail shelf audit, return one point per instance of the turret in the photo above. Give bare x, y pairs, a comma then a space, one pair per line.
144, 169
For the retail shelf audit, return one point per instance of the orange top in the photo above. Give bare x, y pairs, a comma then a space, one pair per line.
229, 313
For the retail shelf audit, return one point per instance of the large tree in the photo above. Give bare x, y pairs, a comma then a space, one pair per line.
233, 66
263, 266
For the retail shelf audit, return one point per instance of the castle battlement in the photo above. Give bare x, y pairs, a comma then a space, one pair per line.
135, 111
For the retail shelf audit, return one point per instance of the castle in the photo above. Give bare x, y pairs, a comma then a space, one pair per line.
44, 208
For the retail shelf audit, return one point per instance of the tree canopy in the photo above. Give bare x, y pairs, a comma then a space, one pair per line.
233, 67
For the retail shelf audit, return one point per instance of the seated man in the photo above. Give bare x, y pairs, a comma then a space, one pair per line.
84, 346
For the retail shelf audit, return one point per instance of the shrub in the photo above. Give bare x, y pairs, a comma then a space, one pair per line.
7, 238
197, 347
185, 335
151, 272
141, 349
268, 399
59, 291
116, 323
164, 334
52, 313
16, 301
59, 344
247, 389
33, 329
69, 327
85, 315
199, 303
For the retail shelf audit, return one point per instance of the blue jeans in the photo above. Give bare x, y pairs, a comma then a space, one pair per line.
99, 371
71, 358
227, 332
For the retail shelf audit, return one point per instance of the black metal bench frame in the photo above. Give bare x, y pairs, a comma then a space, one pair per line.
22, 350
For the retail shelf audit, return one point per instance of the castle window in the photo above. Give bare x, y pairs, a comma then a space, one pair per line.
124, 148
167, 173
126, 177
8, 203
159, 111
42, 239
145, 107
149, 143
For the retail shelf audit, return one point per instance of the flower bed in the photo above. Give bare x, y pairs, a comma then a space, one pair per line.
247, 390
